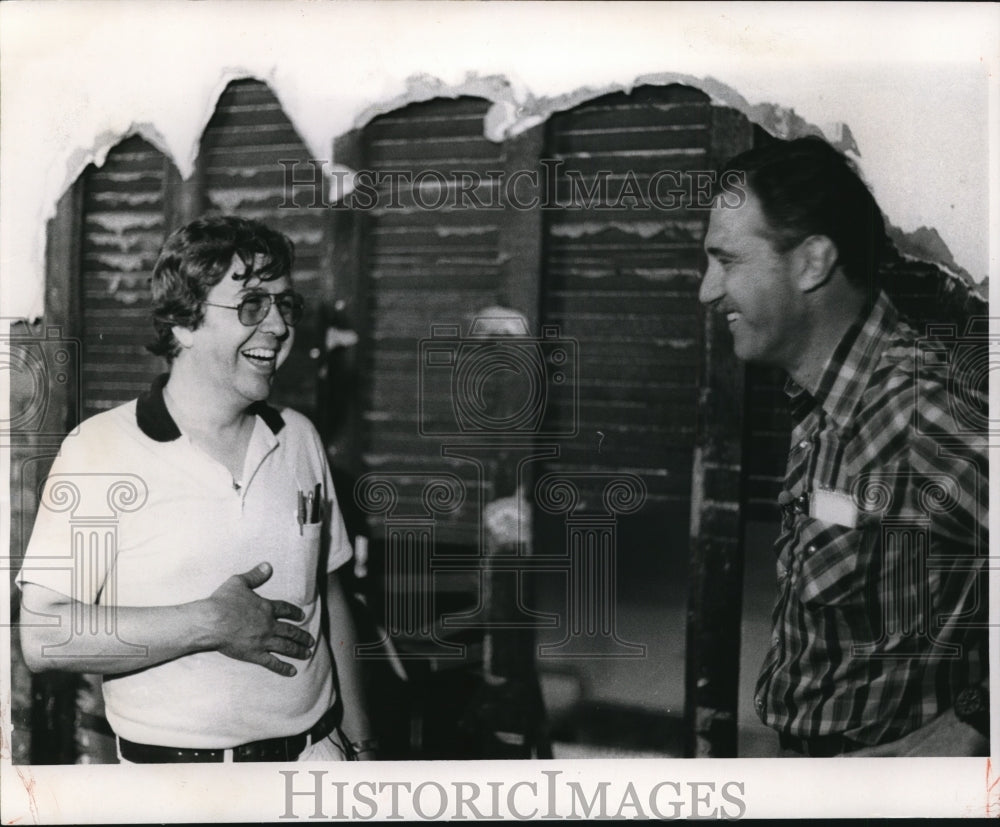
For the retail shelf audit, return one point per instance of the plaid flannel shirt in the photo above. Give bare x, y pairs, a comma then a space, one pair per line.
882, 600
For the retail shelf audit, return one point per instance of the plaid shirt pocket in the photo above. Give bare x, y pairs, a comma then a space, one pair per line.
832, 564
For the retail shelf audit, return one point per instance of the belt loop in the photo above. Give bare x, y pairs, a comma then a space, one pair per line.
227, 756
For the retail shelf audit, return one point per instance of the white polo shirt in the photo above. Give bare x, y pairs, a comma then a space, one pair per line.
134, 514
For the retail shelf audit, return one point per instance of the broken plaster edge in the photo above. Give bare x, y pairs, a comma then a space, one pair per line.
514, 110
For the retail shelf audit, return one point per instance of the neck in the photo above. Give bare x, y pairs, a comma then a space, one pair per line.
198, 404
824, 328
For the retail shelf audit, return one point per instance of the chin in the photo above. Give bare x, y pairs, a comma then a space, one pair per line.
258, 391
749, 349
744, 352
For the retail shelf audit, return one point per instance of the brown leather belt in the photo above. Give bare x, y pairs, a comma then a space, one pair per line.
822, 746
270, 749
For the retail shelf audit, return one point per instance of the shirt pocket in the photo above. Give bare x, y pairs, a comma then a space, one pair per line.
294, 577
833, 563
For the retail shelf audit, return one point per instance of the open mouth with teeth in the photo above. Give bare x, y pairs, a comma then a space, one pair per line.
261, 358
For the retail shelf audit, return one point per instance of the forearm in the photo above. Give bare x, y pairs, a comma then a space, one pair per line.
60, 633
343, 639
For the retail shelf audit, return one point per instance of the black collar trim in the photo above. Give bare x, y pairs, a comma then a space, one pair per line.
271, 416
155, 421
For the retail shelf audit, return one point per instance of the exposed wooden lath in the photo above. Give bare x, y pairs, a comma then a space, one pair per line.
249, 153
621, 277
123, 229
425, 267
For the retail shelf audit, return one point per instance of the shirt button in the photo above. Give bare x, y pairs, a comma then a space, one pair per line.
803, 445
758, 703
811, 549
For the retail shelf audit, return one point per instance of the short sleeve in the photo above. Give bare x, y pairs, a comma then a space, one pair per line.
72, 545
341, 550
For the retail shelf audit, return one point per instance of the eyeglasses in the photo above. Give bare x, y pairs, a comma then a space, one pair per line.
254, 307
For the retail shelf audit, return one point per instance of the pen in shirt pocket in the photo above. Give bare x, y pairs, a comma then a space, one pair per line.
316, 513
300, 511
310, 507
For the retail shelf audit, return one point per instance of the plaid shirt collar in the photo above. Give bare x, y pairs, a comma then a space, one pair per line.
843, 381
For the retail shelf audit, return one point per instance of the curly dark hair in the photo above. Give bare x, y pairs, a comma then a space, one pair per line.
194, 259
806, 187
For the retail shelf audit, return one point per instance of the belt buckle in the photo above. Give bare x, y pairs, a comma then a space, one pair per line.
285, 749
274, 749
245, 752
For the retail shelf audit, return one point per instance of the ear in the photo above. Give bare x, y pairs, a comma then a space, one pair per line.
183, 335
816, 259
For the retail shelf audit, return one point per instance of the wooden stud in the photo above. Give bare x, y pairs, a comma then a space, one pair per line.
715, 584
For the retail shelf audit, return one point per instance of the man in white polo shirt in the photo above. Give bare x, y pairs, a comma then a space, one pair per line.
204, 608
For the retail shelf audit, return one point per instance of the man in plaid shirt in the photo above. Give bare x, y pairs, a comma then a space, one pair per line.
879, 639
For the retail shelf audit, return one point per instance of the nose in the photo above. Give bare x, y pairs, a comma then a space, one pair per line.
711, 289
273, 322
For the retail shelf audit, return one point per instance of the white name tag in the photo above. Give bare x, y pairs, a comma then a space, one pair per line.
833, 507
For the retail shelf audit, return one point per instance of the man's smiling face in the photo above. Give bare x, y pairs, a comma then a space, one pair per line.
240, 360
751, 283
